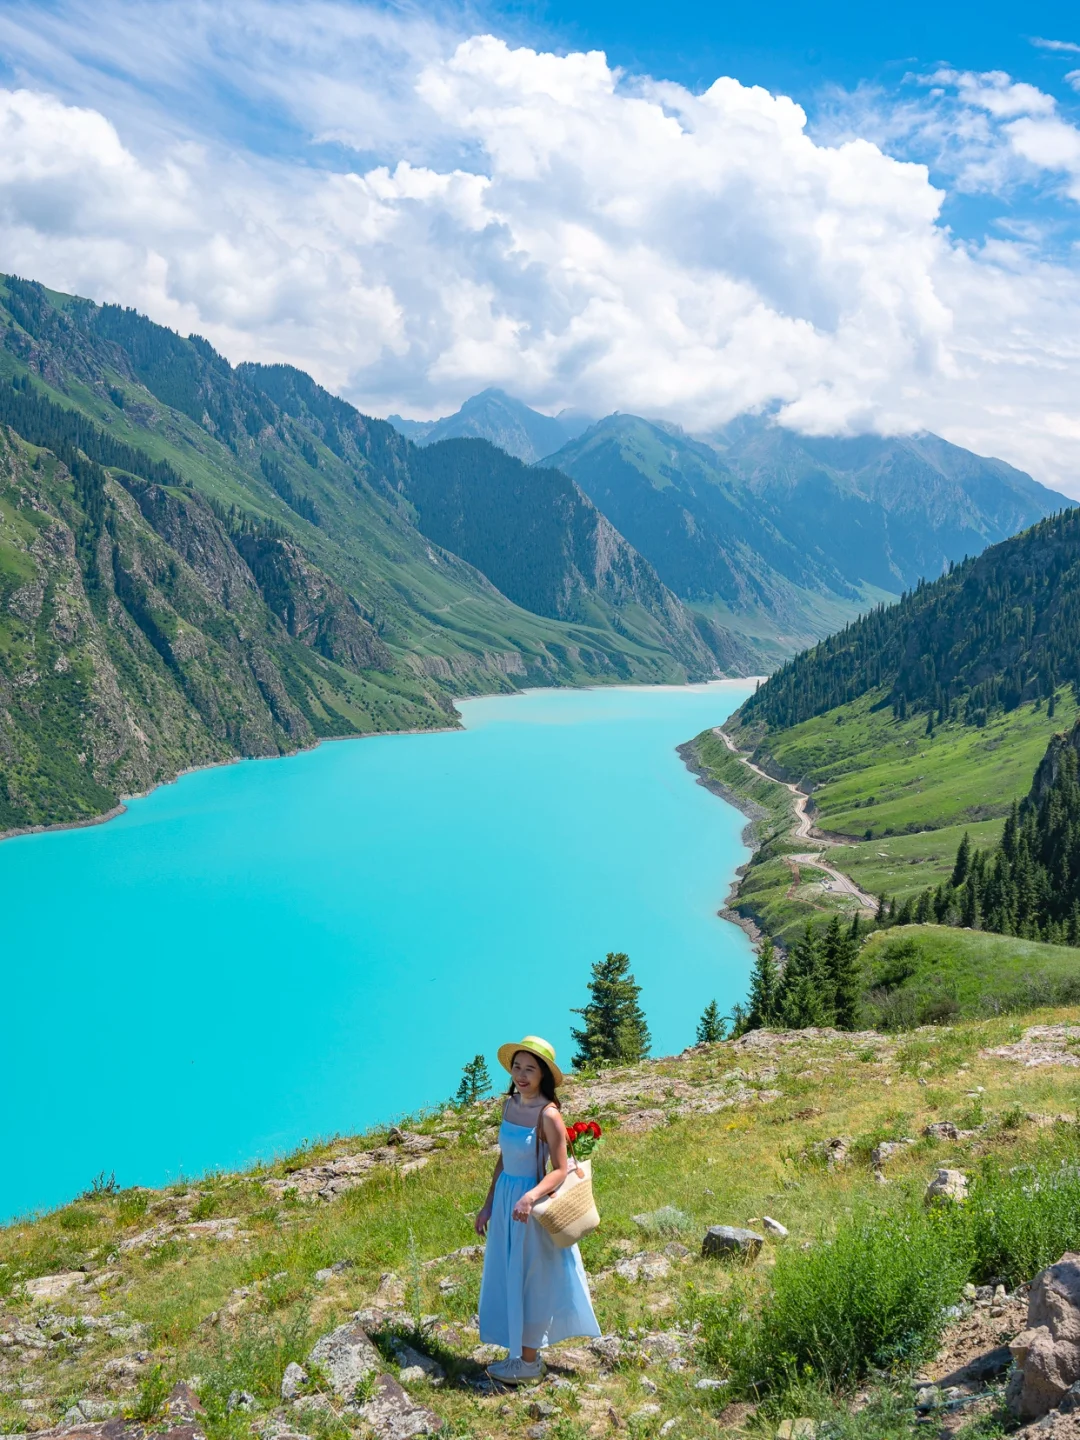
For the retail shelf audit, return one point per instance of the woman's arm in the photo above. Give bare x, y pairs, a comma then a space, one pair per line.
483, 1215
554, 1129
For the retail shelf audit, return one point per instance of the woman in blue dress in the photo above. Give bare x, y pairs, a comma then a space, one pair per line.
532, 1293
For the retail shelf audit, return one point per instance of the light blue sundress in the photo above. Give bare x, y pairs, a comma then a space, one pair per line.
532, 1292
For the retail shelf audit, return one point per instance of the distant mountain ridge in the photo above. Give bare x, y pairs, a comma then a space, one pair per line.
508, 423
780, 538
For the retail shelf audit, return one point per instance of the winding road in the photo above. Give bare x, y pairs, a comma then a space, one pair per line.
838, 883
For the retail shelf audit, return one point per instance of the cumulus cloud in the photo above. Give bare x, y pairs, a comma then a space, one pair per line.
489, 213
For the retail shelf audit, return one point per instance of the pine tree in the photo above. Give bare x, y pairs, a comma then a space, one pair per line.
804, 997
614, 1032
764, 988
711, 1027
963, 861
842, 961
475, 1082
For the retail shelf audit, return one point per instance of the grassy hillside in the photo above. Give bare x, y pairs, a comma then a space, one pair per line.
222, 1280
928, 974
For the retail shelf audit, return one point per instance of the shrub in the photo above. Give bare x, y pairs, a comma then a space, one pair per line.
871, 1296
1019, 1222
667, 1222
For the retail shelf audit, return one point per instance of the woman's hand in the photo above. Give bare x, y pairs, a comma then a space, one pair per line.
483, 1215
524, 1206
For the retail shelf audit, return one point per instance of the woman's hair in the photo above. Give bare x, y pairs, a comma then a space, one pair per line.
547, 1079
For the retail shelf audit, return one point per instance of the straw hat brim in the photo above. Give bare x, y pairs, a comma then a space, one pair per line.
510, 1049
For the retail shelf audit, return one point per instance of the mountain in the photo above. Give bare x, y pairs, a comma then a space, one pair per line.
997, 631
508, 423
785, 537
543, 543
200, 561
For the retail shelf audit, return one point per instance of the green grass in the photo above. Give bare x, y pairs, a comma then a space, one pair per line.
902, 865
872, 773
919, 974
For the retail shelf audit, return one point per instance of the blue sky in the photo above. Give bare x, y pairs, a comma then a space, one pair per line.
416, 201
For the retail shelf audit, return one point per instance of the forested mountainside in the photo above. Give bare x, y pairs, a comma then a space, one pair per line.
198, 561
508, 423
999, 629
791, 533
544, 544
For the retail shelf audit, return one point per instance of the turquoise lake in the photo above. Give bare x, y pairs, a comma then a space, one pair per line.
284, 949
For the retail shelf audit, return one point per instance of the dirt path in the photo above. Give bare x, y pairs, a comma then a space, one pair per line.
837, 883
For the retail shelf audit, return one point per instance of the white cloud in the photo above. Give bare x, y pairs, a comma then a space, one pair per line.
545, 223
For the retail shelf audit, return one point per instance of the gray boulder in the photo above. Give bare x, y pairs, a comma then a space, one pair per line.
293, 1380
724, 1241
947, 1186
1046, 1355
394, 1416
346, 1356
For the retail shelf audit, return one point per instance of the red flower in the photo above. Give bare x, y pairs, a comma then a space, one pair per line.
594, 1129
575, 1130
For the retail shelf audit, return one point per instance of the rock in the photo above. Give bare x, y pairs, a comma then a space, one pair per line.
722, 1241
537, 1432
1047, 1353
391, 1291
540, 1410
928, 1398
837, 1150
708, 1384
183, 1404
413, 1360
346, 1356
608, 1349
646, 1266
239, 1400
970, 1293
293, 1381
674, 1251
394, 1416
51, 1287
942, 1130
947, 1185
773, 1227
668, 1426
801, 1429
649, 1386
337, 1268
644, 1412
888, 1150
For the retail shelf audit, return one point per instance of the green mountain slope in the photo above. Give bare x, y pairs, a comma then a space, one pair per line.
501, 419
546, 546
787, 537
237, 568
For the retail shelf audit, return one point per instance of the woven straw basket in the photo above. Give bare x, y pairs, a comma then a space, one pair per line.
570, 1213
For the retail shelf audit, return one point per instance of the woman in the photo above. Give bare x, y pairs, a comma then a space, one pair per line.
532, 1293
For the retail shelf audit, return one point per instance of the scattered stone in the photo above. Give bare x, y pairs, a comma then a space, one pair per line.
391, 1289
608, 1349
537, 1432
928, 1398
837, 1150
416, 1366
668, 1426
183, 1404
293, 1381
941, 1130
541, 1410
52, 1287
449, 1284
644, 1412
646, 1266
239, 1400
346, 1356
649, 1386
947, 1185
337, 1268
773, 1227
1046, 1355
708, 1384
801, 1429
888, 1150
394, 1416
722, 1241
1040, 1045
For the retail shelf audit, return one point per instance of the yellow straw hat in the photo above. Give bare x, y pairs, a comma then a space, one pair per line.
535, 1046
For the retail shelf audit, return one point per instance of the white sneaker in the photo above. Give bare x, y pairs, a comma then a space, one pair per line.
516, 1371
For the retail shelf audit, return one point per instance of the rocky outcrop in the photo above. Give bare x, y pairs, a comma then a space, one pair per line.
1046, 1355
311, 606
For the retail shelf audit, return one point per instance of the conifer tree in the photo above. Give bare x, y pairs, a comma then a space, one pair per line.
963, 860
614, 1030
764, 988
711, 1027
475, 1082
804, 997
841, 955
